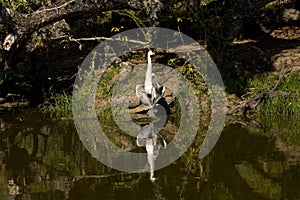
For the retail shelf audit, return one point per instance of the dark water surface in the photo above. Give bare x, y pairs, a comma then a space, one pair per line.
41, 157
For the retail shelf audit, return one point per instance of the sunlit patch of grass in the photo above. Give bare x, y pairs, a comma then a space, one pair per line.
260, 84
278, 105
281, 105
284, 105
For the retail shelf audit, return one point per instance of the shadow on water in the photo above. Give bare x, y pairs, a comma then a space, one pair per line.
43, 158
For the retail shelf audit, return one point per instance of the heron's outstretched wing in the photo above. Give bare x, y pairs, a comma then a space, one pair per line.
157, 91
143, 96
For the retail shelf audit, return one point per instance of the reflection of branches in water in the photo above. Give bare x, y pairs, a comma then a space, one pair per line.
246, 122
33, 151
238, 147
254, 160
291, 152
158, 192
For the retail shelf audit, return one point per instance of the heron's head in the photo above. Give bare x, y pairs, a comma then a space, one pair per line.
150, 53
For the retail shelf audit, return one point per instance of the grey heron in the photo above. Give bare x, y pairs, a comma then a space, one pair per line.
151, 92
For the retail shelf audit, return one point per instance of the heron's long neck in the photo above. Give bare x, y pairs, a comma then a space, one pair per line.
148, 79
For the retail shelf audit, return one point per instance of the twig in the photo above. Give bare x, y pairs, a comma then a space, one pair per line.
55, 8
283, 72
255, 101
110, 39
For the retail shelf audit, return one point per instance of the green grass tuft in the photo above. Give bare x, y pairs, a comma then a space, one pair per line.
283, 105
60, 105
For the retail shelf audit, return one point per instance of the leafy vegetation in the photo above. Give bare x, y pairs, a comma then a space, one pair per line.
104, 90
17, 5
60, 105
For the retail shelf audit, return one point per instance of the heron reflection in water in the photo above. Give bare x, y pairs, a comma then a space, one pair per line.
150, 138
149, 94
13, 189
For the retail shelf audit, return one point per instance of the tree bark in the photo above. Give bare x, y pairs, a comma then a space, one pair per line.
22, 26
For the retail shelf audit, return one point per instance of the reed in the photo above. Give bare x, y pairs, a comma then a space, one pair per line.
60, 104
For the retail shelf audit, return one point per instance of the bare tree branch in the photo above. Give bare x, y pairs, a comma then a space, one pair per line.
255, 101
55, 8
23, 26
106, 38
